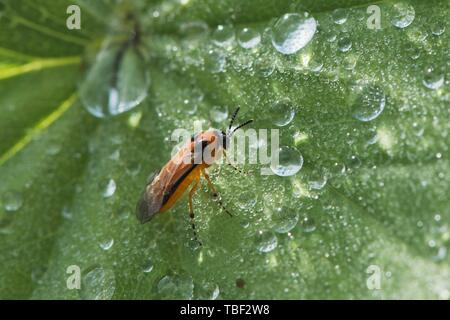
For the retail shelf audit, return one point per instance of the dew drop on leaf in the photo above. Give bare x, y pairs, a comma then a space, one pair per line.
223, 35
340, 16
194, 29
215, 61
264, 66
433, 78
403, 15
293, 31
106, 244
248, 38
344, 43
12, 200
133, 168
148, 266
285, 220
207, 291
368, 102
282, 112
176, 287
266, 241
308, 225
98, 284
290, 162
438, 28
116, 82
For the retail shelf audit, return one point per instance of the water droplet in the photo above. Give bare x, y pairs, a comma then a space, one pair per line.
219, 114
284, 220
315, 66
344, 43
246, 199
349, 62
282, 112
148, 266
207, 291
176, 287
266, 241
368, 102
433, 78
115, 83
133, 168
402, 15
308, 225
438, 28
248, 38
98, 284
107, 244
223, 35
340, 16
215, 61
293, 31
264, 66
290, 162
318, 180
12, 200
109, 189
193, 30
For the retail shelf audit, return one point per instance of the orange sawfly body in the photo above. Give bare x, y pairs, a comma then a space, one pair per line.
184, 170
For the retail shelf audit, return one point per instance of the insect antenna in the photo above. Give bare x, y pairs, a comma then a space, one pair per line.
233, 117
241, 125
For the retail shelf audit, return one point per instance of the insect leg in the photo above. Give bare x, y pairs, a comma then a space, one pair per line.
191, 210
215, 194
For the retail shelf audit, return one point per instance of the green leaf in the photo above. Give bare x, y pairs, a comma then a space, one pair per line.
372, 194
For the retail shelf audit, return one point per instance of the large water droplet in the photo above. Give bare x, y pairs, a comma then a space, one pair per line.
249, 38
223, 35
176, 287
115, 83
12, 200
282, 112
109, 189
266, 241
368, 102
293, 31
433, 78
402, 14
98, 284
290, 162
